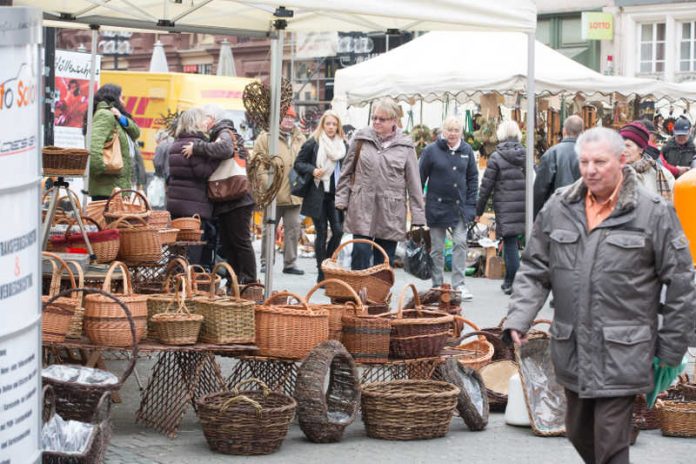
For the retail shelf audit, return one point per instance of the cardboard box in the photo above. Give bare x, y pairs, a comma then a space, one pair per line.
495, 267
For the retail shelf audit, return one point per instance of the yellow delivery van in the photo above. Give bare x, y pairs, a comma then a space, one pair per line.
151, 96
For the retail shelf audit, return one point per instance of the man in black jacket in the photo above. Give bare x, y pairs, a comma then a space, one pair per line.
559, 165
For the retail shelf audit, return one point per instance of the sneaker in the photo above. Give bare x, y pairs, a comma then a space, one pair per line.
293, 270
466, 294
508, 290
263, 269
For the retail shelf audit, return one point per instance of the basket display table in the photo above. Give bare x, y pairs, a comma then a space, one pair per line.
148, 278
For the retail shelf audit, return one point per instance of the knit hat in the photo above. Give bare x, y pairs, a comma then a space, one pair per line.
290, 113
637, 133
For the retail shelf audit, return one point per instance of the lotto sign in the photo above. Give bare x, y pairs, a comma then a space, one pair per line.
597, 26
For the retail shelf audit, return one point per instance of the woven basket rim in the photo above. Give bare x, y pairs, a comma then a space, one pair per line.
381, 389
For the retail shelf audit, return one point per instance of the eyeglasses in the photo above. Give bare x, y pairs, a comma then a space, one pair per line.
377, 118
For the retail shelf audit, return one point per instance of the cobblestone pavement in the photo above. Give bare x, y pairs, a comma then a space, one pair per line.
498, 443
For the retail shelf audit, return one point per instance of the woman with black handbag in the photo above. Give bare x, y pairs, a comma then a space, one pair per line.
319, 163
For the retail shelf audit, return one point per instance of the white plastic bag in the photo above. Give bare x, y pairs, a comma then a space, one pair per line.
156, 192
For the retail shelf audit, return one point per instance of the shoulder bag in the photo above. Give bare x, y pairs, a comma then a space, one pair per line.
229, 181
111, 154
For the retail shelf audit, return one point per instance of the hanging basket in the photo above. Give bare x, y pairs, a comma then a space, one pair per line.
126, 203
140, 244
177, 327
57, 316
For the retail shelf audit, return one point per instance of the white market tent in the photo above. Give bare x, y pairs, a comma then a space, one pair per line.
271, 17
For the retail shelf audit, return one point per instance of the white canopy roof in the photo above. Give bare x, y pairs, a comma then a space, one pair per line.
242, 16
461, 65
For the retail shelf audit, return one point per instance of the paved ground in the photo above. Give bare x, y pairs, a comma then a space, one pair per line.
498, 443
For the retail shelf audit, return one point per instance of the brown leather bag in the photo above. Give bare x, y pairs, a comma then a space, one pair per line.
229, 182
111, 154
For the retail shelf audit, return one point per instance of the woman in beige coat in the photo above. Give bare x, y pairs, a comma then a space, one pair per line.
379, 178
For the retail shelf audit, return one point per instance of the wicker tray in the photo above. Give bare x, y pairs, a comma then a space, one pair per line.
68, 162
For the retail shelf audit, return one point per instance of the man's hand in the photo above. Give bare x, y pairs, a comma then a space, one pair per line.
187, 151
517, 338
317, 173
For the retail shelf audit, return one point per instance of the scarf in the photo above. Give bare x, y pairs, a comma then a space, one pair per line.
329, 152
646, 163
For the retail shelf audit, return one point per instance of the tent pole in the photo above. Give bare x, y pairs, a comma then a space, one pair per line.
90, 105
531, 119
269, 226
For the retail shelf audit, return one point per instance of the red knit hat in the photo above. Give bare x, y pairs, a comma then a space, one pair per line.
637, 133
291, 112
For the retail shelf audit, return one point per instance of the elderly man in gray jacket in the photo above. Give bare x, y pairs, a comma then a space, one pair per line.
605, 246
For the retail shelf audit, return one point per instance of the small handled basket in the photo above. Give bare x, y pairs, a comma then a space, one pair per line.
105, 243
126, 203
178, 327
140, 244
378, 280
478, 352
189, 228
246, 422
58, 313
159, 302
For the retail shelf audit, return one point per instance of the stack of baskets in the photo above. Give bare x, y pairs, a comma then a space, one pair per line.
58, 315
162, 221
140, 244
189, 228
67, 162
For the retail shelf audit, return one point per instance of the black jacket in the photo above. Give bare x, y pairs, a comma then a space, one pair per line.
679, 155
188, 180
305, 164
504, 178
452, 177
558, 167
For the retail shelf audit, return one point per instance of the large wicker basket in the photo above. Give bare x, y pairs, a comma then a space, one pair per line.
57, 316
126, 203
677, 418
105, 322
289, 331
366, 336
140, 244
69, 162
408, 409
378, 280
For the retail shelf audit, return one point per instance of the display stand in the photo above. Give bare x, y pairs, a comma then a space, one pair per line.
62, 185
149, 278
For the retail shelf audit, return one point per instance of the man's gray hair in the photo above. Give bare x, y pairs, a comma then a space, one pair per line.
573, 125
216, 112
610, 137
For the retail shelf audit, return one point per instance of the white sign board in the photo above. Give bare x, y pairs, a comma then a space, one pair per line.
315, 44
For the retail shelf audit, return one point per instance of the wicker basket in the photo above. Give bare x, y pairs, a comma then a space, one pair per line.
677, 418
75, 330
95, 210
159, 302
178, 327
227, 319
472, 402
252, 291
408, 409
126, 203
139, 244
378, 280
366, 336
417, 333
168, 235
201, 280
324, 412
159, 219
189, 235
645, 418
68, 162
496, 378
507, 352
105, 323
289, 331
335, 310
246, 422
105, 243
187, 223
57, 316
476, 353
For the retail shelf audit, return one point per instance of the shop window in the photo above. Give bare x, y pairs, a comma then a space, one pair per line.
687, 46
651, 40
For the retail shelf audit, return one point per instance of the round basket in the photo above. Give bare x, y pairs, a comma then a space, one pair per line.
159, 219
246, 422
187, 223
324, 413
335, 310
377, 280
130, 203
105, 243
140, 244
475, 353
496, 377
408, 409
472, 402
168, 235
68, 162
178, 327
57, 316
677, 418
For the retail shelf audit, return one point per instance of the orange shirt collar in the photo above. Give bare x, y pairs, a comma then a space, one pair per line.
598, 212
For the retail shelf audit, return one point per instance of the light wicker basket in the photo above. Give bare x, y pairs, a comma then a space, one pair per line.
130, 203
68, 162
57, 316
140, 244
178, 327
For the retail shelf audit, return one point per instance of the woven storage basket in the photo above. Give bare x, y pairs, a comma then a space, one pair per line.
643, 417
95, 210
159, 219
496, 377
158, 302
168, 235
187, 223
189, 235
335, 310
677, 418
57, 316
474, 353
246, 422
226, 319
472, 402
69, 162
408, 409
324, 412
502, 350
140, 244
178, 327
289, 331
366, 336
252, 291
418, 333
105, 322
126, 203
105, 243
78, 401
75, 330
378, 280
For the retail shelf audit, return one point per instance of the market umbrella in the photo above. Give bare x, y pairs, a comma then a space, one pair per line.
664, 377
158, 61
225, 65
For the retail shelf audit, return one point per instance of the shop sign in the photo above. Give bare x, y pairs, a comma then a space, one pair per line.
597, 26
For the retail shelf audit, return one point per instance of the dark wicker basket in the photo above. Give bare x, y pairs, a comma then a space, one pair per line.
246, 422
324, 414
472, 402
644, 418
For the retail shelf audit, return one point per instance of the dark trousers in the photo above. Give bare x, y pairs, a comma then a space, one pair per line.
99, 197
329, 217
600, 428
511, 255
235, 238
204, 255
365, 255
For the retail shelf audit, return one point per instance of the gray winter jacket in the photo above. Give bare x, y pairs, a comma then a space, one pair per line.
606, 286
386, 179
558, 167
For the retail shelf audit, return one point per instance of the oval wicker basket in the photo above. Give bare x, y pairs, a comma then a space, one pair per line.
187, 223
68, 162
139, 244
335, 310
677, 418
178, 327
474, 353
57, 316
130, 203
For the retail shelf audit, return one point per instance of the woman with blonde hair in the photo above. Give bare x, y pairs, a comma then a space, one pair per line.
320, 160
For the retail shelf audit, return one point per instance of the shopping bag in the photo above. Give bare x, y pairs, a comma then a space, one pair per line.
418, 262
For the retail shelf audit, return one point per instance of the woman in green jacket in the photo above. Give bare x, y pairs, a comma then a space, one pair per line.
110, 117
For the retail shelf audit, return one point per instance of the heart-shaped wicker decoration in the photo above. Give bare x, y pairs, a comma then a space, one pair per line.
257, 173
257, 102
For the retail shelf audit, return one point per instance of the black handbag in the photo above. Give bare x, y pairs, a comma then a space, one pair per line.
299, 184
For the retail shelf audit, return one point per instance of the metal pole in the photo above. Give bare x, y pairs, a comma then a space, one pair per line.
531, 118
274, 132
90, 106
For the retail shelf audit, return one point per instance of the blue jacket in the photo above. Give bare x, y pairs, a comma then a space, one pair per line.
452, 178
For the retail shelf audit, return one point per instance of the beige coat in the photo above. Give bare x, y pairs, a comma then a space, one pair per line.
288, 152
386, 180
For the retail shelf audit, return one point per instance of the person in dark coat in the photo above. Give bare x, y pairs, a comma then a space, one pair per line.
679, 153
448, 166
320, 160
504, 178
559, 165
188, 180
234, 216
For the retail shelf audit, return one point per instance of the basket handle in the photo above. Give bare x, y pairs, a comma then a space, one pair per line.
402, 296
103, 410
334, 256
115, 224
502, 321
179, 296
302, 301
127, 286
252, 381
142, 197
540, 321
358, 302
241, 399
58, 264
80, 279
469, 323
197, 216
169, 273
233, 276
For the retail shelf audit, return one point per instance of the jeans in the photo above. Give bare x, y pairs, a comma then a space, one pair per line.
362, 252
459, 248
329, 218
235, 238
511, 255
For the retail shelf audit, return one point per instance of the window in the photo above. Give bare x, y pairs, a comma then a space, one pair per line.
687, 46
651, 39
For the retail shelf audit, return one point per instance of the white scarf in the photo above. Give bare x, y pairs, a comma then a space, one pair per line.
330, 151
